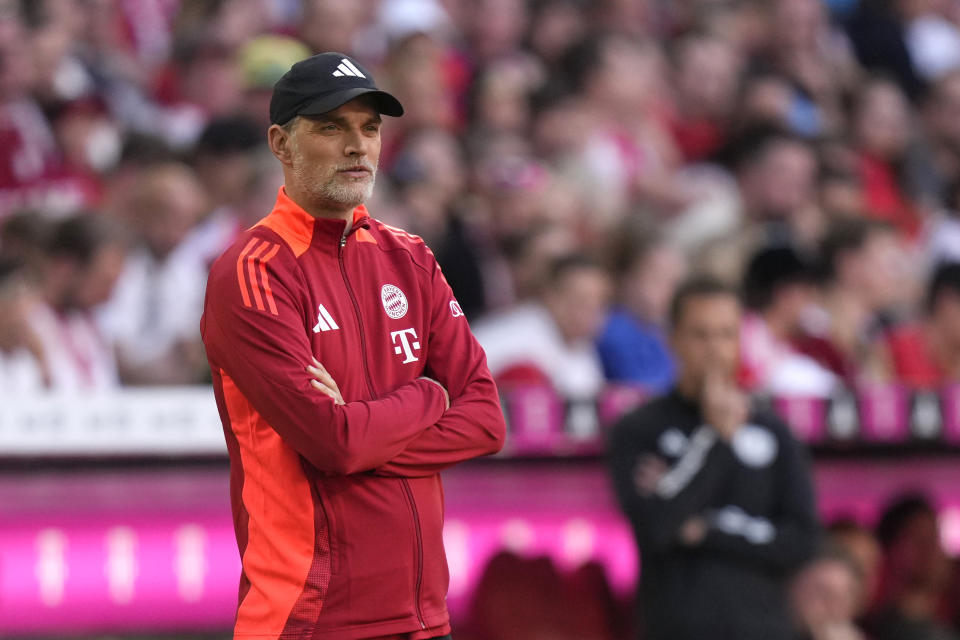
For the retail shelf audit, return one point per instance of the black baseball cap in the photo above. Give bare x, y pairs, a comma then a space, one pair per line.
323, 82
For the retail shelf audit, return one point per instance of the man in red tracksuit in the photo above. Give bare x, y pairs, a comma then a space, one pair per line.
346, 377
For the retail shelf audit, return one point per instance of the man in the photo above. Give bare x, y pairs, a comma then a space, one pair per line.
346, 377
926, 354
825, 596
718, 495
778, 292
551, 339
84, 258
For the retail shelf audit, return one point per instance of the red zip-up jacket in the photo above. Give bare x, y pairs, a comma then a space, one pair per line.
338, 509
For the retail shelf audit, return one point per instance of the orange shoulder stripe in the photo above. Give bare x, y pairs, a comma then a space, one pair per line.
266, 280
253, 274
241, 279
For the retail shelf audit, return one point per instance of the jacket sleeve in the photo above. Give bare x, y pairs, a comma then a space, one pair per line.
684, 491
791, 536
266, 354
473, 425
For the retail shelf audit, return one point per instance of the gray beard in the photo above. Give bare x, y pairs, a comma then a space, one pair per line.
334, 190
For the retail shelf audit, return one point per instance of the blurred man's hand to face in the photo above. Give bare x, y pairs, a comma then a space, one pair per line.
706, 342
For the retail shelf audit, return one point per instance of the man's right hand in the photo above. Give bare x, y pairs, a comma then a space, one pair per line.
725, 407
446, 394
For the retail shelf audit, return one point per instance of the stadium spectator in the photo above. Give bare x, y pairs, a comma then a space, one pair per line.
778, 291
550, 341
825, 596
707, 70
225, 162
22, 365
878, 32
882, 127
719, 495
816, 61
915, 573
84, 260
776, 173
927, 355
861, 545
935, 163
633, 345
862, 270
153, 314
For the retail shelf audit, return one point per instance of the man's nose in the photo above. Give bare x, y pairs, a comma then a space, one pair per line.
355, 145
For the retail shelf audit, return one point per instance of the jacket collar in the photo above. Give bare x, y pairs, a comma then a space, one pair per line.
300, 229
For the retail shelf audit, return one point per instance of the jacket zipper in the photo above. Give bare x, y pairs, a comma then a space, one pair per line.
419, 536
356, 310
406, 485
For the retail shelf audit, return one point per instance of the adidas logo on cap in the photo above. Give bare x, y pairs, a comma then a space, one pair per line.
347, 68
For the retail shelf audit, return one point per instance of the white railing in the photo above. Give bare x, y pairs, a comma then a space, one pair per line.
164, 421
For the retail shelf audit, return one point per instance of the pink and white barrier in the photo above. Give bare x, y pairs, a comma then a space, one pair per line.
155, 551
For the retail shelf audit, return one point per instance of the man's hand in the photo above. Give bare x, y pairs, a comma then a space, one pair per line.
446, 394
837, 631
725, 407
693, 531
324, 382
647, 474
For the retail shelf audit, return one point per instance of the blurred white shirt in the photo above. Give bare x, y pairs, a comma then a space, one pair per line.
76, 354
527, 335
777, 368
155, 305
20, 373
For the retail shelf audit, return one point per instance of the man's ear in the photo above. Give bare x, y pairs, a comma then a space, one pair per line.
279, 140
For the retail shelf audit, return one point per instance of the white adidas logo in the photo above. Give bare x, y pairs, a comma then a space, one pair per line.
347, 68
324, 321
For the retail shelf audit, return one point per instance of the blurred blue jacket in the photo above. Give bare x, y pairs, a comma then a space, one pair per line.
635, 351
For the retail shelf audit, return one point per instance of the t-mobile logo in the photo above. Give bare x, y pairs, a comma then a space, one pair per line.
406, 347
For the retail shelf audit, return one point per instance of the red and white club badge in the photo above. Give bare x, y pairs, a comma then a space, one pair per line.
394, 301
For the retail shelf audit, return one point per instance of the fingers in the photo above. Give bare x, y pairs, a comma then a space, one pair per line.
324, 382
320, 373
647, 474
319, 386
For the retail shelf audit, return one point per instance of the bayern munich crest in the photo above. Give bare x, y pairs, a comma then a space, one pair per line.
394, 302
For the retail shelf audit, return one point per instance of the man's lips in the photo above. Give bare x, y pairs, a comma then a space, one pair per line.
358, 171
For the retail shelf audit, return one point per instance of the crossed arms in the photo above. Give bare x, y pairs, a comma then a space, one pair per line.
417, 429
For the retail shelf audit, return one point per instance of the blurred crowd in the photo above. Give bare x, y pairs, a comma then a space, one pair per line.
569, 161
891, 582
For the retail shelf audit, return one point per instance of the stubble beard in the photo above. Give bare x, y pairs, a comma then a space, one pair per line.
328, 186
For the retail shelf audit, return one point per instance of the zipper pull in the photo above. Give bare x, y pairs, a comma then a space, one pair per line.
343, 242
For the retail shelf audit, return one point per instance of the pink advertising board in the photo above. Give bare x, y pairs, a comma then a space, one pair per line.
154, 551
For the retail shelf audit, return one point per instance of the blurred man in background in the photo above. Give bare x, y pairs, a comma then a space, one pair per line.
85, 258
22, 366
550, 341
926, 354
825, 597
915, 574
151, 317
778, 293
633, 345
718, 494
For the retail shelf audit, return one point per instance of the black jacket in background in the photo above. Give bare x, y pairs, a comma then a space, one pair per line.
756, 494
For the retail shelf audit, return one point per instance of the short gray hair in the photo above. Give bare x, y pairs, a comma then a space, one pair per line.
290, 124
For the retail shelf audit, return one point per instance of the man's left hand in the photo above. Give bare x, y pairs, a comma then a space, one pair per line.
324, 382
